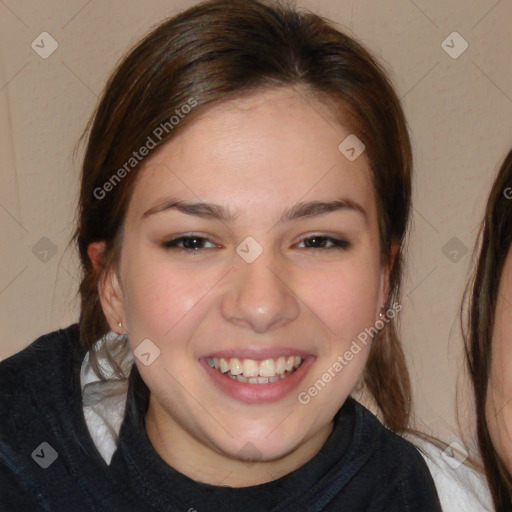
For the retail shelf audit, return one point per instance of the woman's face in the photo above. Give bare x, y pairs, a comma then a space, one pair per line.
280, 269
499, 394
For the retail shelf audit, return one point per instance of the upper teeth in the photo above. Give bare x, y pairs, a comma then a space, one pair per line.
253, 368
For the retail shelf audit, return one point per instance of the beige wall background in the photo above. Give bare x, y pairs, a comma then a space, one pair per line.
459, 107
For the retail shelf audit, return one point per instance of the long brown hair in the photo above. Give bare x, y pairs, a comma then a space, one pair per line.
219, 50
479, 308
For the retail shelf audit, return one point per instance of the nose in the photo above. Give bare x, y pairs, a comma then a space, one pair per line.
259, 296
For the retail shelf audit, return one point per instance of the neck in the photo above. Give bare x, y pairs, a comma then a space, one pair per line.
195, 459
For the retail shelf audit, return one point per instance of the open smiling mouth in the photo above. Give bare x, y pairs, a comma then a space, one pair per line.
252, 371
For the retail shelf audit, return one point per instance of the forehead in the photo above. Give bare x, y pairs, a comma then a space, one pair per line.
271, 148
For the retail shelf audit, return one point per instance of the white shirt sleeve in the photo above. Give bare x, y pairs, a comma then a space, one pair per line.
460, 488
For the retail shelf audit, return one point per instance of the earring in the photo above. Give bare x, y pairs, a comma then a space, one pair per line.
382, 319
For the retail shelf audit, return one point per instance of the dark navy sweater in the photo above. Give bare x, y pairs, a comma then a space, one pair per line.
48, 460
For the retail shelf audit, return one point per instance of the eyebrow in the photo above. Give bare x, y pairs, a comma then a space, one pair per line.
298, 211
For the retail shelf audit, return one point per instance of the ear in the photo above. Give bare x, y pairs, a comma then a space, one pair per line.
109, 288
385, 273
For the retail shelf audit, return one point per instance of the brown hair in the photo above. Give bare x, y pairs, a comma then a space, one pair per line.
219, 50
480, 304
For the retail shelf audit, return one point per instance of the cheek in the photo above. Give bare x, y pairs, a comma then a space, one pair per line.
499, 420
159, 295
500, 381
345, 296
499, 396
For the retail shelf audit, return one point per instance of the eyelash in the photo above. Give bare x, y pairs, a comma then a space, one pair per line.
337, 243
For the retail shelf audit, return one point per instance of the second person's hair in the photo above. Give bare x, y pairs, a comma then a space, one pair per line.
481, 296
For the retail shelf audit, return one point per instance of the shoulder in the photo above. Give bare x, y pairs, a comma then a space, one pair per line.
393, 448
42, 350
43, 425
460, 488
36, 377
41, 354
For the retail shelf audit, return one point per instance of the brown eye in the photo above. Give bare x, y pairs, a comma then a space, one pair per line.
190, 243
318, 242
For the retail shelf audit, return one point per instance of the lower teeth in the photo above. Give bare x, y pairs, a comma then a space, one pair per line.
257, 380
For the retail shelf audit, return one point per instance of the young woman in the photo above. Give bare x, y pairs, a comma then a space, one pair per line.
245, 195
488, 337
